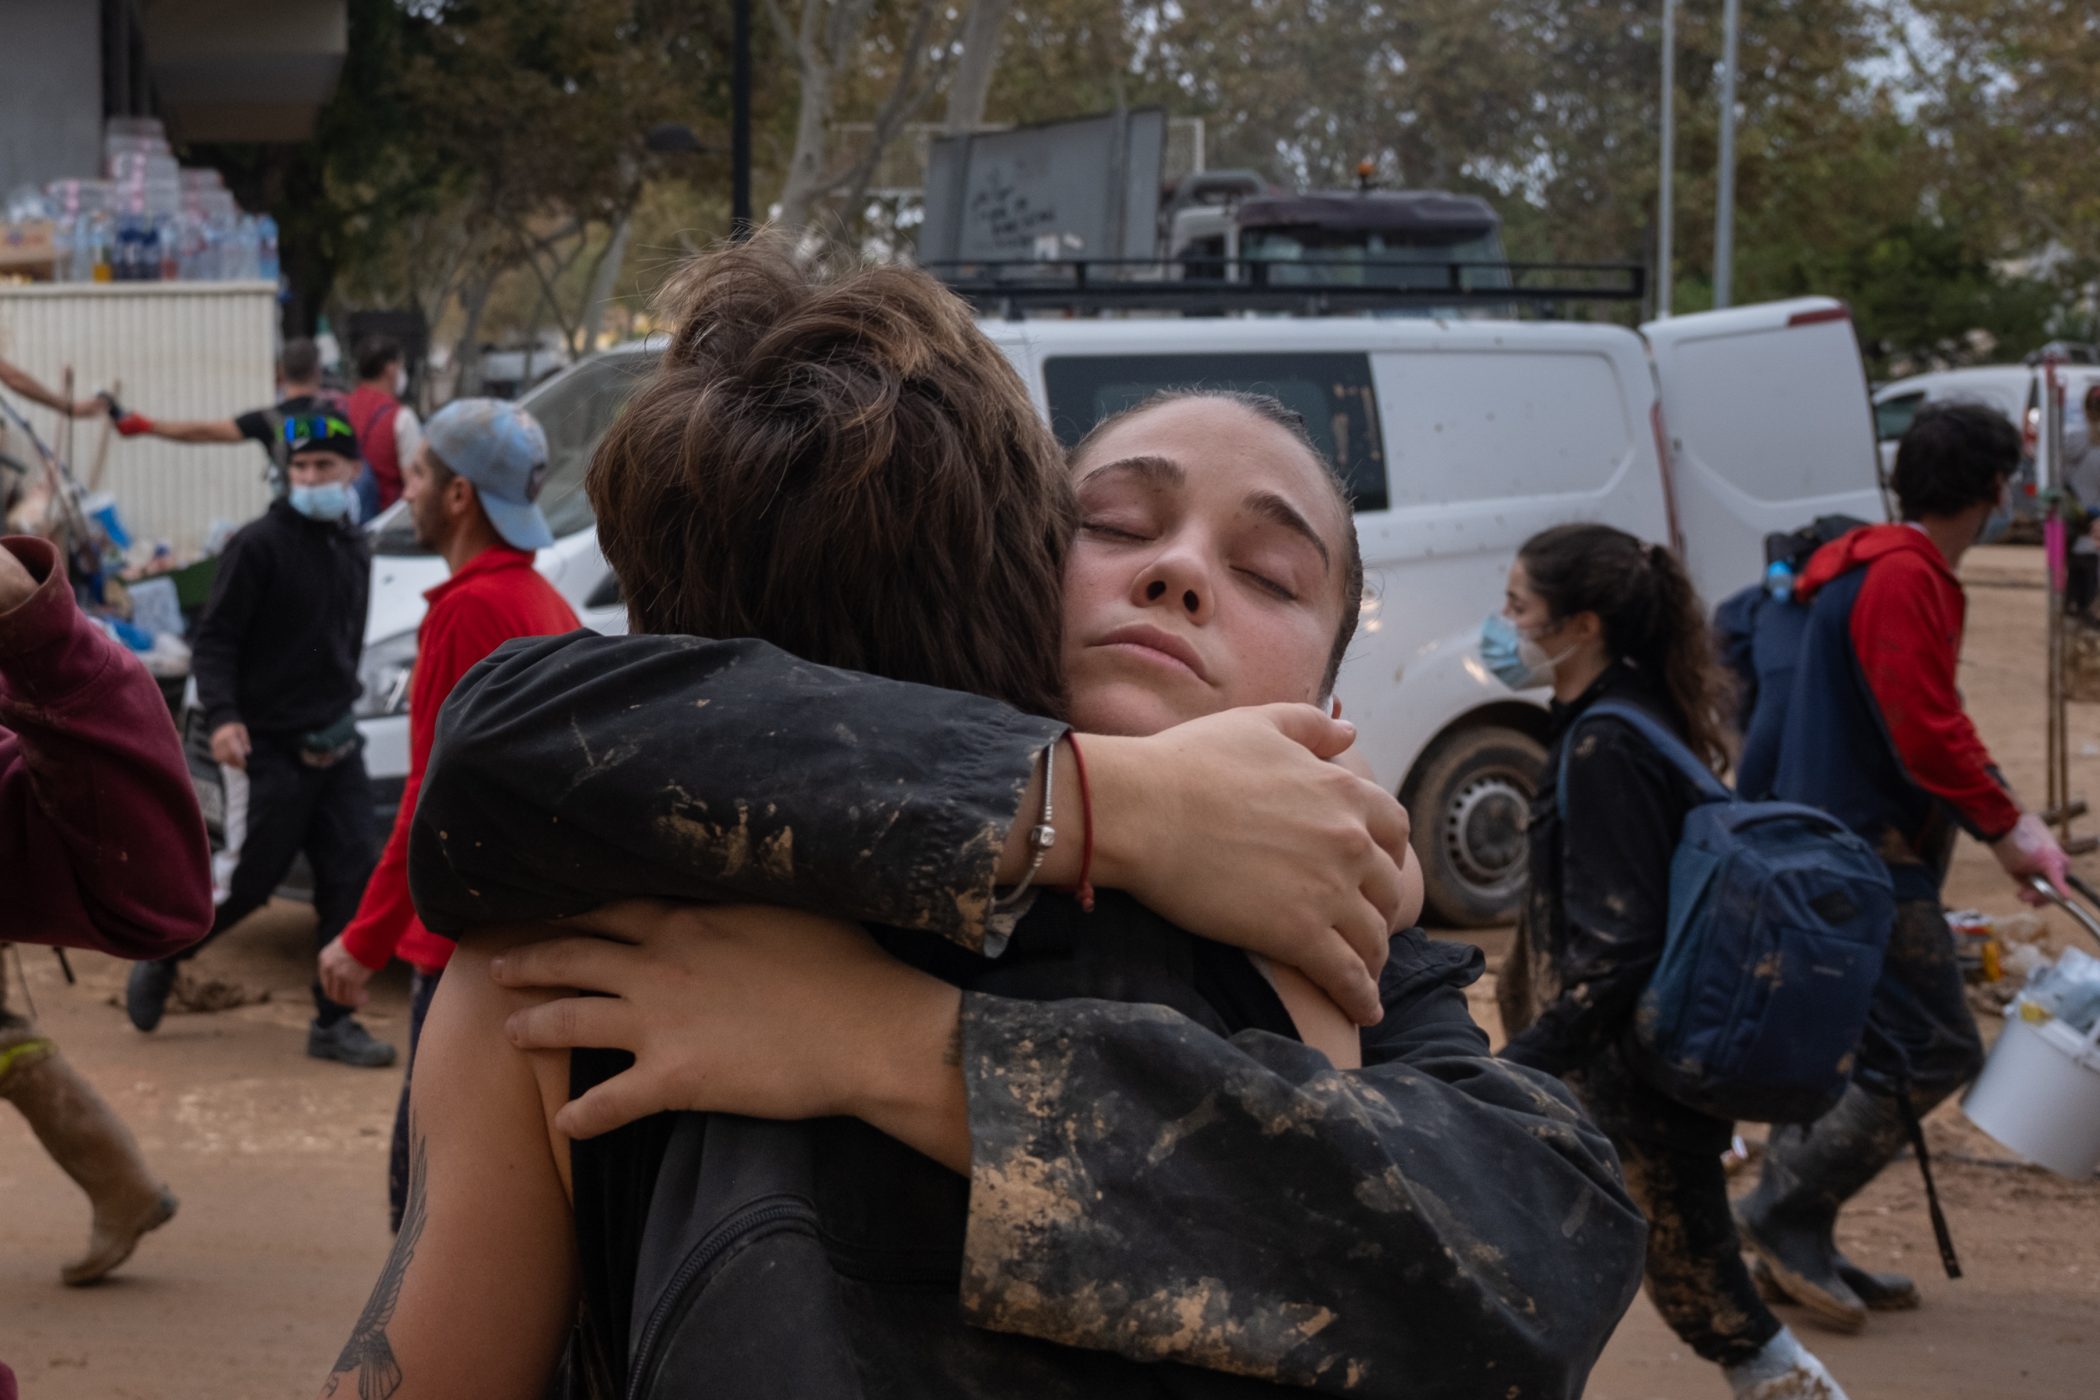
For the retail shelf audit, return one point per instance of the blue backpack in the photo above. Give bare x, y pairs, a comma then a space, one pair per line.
1777, 922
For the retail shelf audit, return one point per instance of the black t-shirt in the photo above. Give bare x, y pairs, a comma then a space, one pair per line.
265, 426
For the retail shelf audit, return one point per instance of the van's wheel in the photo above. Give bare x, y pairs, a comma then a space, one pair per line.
1469, 804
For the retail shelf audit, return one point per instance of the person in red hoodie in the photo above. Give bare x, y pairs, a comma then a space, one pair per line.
471, 489
1874, 733
102, 847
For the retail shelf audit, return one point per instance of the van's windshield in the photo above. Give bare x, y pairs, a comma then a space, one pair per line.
574, 409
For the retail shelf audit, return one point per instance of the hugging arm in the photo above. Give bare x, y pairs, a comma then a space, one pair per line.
1437, 1224
573, 772
479, 1293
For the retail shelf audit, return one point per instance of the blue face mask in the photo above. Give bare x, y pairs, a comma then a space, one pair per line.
331, 500
1513, 658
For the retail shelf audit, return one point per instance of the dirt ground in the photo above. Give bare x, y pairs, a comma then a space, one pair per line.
280, 1162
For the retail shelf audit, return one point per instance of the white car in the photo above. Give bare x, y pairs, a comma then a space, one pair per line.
2015, 391
1461, 439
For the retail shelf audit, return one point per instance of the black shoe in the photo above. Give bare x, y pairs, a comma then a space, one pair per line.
146, 991
1880, 1292
348, 1043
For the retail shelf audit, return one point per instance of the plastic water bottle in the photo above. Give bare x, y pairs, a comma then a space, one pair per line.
1779, 580
266, 248
101, 261
247, 246
63, 236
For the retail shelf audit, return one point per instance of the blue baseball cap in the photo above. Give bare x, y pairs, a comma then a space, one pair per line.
501, 449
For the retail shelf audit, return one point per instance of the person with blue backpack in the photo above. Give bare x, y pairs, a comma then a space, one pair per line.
1615, 628
1870, 728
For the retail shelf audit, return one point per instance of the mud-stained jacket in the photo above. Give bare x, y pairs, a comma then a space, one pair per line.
1143, 1183
1599, 850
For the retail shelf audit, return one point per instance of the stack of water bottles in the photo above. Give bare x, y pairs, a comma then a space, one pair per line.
151, 220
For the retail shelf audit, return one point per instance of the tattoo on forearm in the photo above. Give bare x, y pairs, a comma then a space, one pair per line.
369, 1354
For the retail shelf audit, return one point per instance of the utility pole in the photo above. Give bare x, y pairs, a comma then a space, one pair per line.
1665, 275
740, 224
1724, 198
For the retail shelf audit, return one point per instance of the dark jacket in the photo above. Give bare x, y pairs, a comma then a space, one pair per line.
1245, 1208
1597, 909
1759, 638
278, 647
1873, 731
101, 842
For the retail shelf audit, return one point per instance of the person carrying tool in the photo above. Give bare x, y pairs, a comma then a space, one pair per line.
301, 396
104, 848
21, 381
1875, 734
276, 668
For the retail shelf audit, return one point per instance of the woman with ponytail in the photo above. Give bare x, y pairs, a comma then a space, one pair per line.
1597, 615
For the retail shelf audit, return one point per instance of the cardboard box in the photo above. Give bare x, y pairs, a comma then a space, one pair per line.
30, 248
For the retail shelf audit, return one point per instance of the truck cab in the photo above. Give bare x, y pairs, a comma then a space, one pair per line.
1227, 224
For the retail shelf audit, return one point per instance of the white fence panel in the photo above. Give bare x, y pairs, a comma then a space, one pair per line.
182, 350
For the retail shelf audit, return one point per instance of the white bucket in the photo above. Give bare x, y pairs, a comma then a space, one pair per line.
2039, 1093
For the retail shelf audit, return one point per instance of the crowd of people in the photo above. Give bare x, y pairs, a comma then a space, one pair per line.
948, 947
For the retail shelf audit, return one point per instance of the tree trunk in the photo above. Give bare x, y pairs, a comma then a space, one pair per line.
972, 82
466, 359
604, 277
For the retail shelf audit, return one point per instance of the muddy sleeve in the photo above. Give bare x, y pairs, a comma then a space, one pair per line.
1623, 811
571, 772
1436, 1224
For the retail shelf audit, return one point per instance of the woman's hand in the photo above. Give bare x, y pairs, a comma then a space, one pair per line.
1237, 827
770, 1013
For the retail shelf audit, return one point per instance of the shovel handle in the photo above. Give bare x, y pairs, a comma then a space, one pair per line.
2078, 912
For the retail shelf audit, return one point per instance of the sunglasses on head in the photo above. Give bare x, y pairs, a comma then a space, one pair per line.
315, 429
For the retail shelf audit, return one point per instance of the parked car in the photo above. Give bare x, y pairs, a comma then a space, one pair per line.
1460, 439
2016, 392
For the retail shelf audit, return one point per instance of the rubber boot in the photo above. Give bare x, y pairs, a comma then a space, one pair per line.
1789, 1219
1889, 1292
91, 1145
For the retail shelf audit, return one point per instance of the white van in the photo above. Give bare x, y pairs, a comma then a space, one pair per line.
1460, 439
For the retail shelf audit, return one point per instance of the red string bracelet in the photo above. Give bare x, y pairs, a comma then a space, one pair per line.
1086, 844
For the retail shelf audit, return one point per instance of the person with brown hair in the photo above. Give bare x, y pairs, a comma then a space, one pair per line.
915, 1164
1598, 615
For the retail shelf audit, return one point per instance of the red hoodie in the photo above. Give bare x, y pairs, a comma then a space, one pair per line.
101, 842
1906, 628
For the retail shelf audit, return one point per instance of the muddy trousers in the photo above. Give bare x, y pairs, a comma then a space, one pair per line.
422, 987
293, 807
1671, 1157
1921, 1043
87, 1140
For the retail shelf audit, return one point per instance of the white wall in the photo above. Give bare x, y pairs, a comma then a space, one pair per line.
180, 350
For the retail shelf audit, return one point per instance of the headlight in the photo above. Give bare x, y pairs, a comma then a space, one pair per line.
384, 673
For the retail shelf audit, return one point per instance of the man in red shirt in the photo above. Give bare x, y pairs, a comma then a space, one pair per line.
101, 846
471, 489
387, 432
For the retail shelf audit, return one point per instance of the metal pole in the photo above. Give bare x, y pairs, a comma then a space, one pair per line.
1665, 199
1724, 196
740, 224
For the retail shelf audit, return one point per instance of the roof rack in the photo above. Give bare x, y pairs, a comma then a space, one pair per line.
1214, 286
